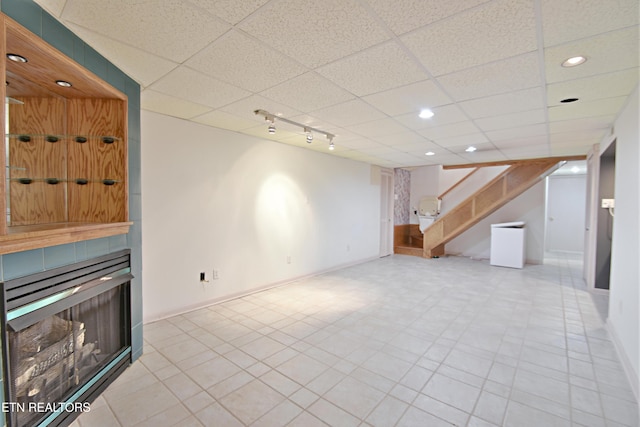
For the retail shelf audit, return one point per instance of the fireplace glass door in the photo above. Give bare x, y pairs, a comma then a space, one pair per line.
61, 352
59, 343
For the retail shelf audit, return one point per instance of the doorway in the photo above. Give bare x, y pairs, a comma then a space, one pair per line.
386, 212
604, 217
566, 201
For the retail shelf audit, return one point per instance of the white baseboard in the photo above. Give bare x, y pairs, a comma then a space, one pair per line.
229, 297
632, 375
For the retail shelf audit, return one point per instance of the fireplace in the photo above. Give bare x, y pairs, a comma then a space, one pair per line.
66, 336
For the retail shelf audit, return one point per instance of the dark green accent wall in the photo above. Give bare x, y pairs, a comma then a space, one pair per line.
34, 18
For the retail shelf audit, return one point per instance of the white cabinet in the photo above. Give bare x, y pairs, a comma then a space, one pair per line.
508, 244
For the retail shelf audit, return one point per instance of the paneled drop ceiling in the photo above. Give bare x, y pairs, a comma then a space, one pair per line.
363, 69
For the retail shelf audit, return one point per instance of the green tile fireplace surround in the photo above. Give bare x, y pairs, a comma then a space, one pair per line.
35, 19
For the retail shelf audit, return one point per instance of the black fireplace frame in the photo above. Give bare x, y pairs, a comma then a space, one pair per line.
46, 293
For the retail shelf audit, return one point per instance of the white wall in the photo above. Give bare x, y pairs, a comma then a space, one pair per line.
424, 182
470, 185
624, 298
215, 199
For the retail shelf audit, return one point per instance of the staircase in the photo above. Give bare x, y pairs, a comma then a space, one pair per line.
514, 181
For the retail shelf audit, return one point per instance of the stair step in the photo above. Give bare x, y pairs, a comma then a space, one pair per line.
408, 250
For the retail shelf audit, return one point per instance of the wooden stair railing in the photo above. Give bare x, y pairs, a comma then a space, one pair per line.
512, 182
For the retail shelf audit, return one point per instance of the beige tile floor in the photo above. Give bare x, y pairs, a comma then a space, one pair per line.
400, 341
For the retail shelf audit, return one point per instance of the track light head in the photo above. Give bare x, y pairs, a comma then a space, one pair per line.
307, 131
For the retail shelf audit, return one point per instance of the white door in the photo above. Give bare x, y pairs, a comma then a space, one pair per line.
386, 212
566, 213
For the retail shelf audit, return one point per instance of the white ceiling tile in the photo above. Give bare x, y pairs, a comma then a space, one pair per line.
245, 108
223, 120
506, 103
232, 11
528, 152
361, 143
610, 85
484, 156
196, 87
443, 116
402, 158
445, 159
491, 32
405, 15
257, 54
529, 141
448, 131
135, 62
258, 68
376, 69
513, 74
512, 120
517, 132
382, 151
567, 138
349, 113
463, 140
378, 128
403, 139
409, 99
608, 52
480, 147
573, 150
315, 33
569, 20
149, 26
601, 122
576, 110
308, 92
419, 148
349, 154
170, 106
54, 7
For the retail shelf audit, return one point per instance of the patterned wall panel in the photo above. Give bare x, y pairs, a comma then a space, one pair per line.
402, 190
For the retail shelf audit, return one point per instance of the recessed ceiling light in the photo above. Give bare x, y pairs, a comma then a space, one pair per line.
574, 61
426, 114
429, 153
470, 149
16, 58
63, 83
568, 100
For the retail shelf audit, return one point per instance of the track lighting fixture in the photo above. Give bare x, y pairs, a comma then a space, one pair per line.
272, 127
308, 131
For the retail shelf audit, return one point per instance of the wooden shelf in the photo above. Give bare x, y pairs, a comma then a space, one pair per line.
64, 156
27, 237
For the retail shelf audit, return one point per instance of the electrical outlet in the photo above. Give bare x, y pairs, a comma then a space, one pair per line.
203, 277
608, 203
216, 274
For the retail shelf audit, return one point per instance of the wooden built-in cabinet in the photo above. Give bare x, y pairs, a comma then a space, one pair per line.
64, 156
